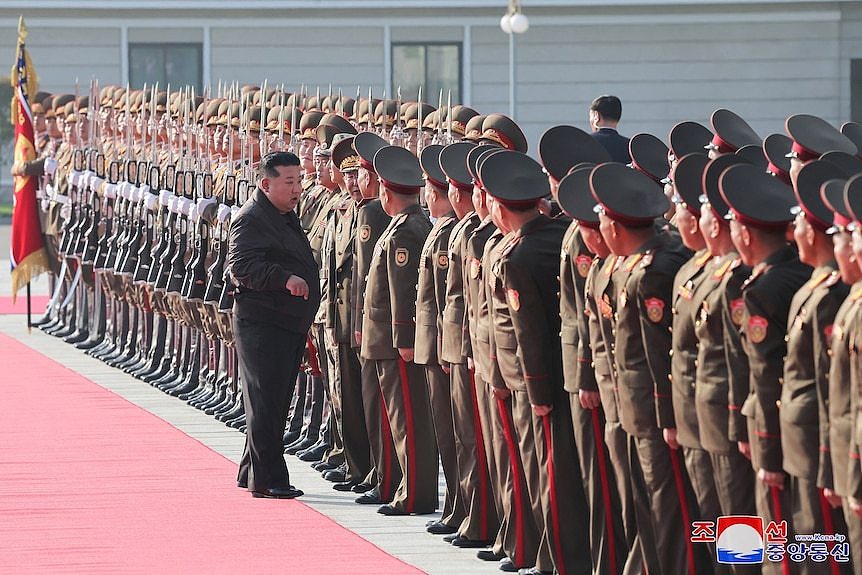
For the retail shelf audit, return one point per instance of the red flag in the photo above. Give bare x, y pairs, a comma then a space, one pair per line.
29, 258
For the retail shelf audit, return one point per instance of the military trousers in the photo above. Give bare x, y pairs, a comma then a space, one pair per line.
405, 391
440, 396
351, 412
386, 474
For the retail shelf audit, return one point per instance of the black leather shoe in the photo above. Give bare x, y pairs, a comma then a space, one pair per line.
507, 566
467, 543
314, 454
440, 528
299, 445
324, 466
533, 571
490, 555
451, 537
362, 488
336, 475
344, 486
390, 510
242, 484
278, 493
370, 498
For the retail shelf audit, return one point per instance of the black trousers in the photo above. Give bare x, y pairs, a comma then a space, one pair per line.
269, 359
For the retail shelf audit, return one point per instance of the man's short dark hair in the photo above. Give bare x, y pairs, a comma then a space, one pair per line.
273, 160
609, 107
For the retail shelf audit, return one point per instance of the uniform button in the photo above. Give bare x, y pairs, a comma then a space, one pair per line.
671, 353
778, 403
780, 381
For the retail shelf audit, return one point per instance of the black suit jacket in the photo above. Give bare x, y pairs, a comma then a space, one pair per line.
616, 145
266, 248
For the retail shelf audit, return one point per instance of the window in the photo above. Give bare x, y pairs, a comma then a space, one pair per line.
434, 66
174, 64
856, 90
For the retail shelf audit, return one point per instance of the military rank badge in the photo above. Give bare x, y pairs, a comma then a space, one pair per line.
475, 268
402, 256
443, 260
583, 263
737, 311
757, 327
654, 309
364, 233
514, 299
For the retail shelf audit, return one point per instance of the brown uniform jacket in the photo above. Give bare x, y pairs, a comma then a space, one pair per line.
431, 291
475, 297
371, 222
390, 296
644, 288
846, 473
339, 273
575, 262
722, 366
805, 392
767, 295
688, 296
454, 325
600, 309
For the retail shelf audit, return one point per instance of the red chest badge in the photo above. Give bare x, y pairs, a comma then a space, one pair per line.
757, 328
654, 309
514, 299
737, 311
583, 263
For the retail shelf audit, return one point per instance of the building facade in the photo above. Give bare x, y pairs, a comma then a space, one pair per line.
668, 61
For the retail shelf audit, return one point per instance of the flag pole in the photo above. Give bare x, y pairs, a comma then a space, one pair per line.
29, 311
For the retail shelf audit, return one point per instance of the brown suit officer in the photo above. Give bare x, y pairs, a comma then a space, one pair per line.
388, 331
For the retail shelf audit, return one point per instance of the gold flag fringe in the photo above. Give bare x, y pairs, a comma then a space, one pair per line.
28, 269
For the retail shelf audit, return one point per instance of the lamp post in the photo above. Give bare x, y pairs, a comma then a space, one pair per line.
513, 22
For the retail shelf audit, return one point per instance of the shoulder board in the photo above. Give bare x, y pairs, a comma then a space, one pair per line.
510, 245
722, 269
856, 294
816, 280
647, 260
632, 262
736, 263
833, 279
701, 261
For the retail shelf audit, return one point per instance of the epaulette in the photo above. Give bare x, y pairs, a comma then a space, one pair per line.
722, 269
833, 279
816, 280
758, 271
856, 294
701, 261
510, 245
633, 261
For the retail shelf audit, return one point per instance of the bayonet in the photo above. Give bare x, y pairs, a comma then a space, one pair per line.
419, 134
262, 134
449, 119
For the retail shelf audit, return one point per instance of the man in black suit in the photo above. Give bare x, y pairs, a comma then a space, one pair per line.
605, 114
277, 294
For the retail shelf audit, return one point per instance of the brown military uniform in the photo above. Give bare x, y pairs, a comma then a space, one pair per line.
644, 291
722, 383
389, 324
430, 299
525, 278
805, 399
767, 296
371, 221
470, 402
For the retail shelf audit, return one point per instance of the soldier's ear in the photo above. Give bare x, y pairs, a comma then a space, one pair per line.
745, 234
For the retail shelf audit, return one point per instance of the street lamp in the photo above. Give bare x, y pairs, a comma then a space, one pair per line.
513, 22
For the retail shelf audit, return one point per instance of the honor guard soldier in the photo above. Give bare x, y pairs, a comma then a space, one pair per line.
760, 213
525, 277
629, 203
371, 222
731, 133
388, 331
430, 301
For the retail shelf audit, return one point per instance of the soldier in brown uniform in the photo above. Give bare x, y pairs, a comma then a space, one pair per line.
518, 537
530, 356
846, 474
805, 391
643, 284
430, 300
760, 210
692, 285
371, 221
388, 331
613, 536
470, 400
722, 366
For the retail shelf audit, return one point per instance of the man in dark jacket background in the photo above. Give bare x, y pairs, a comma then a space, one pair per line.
270, 262
605, 114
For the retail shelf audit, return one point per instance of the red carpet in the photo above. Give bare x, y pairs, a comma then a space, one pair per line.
90, 483
38, 303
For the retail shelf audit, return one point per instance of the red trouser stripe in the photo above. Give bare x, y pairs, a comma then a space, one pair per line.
828, 527
776, 510
514, 460
312, 357
598, 433
552, 484
481, 460
411, 435
683, 504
